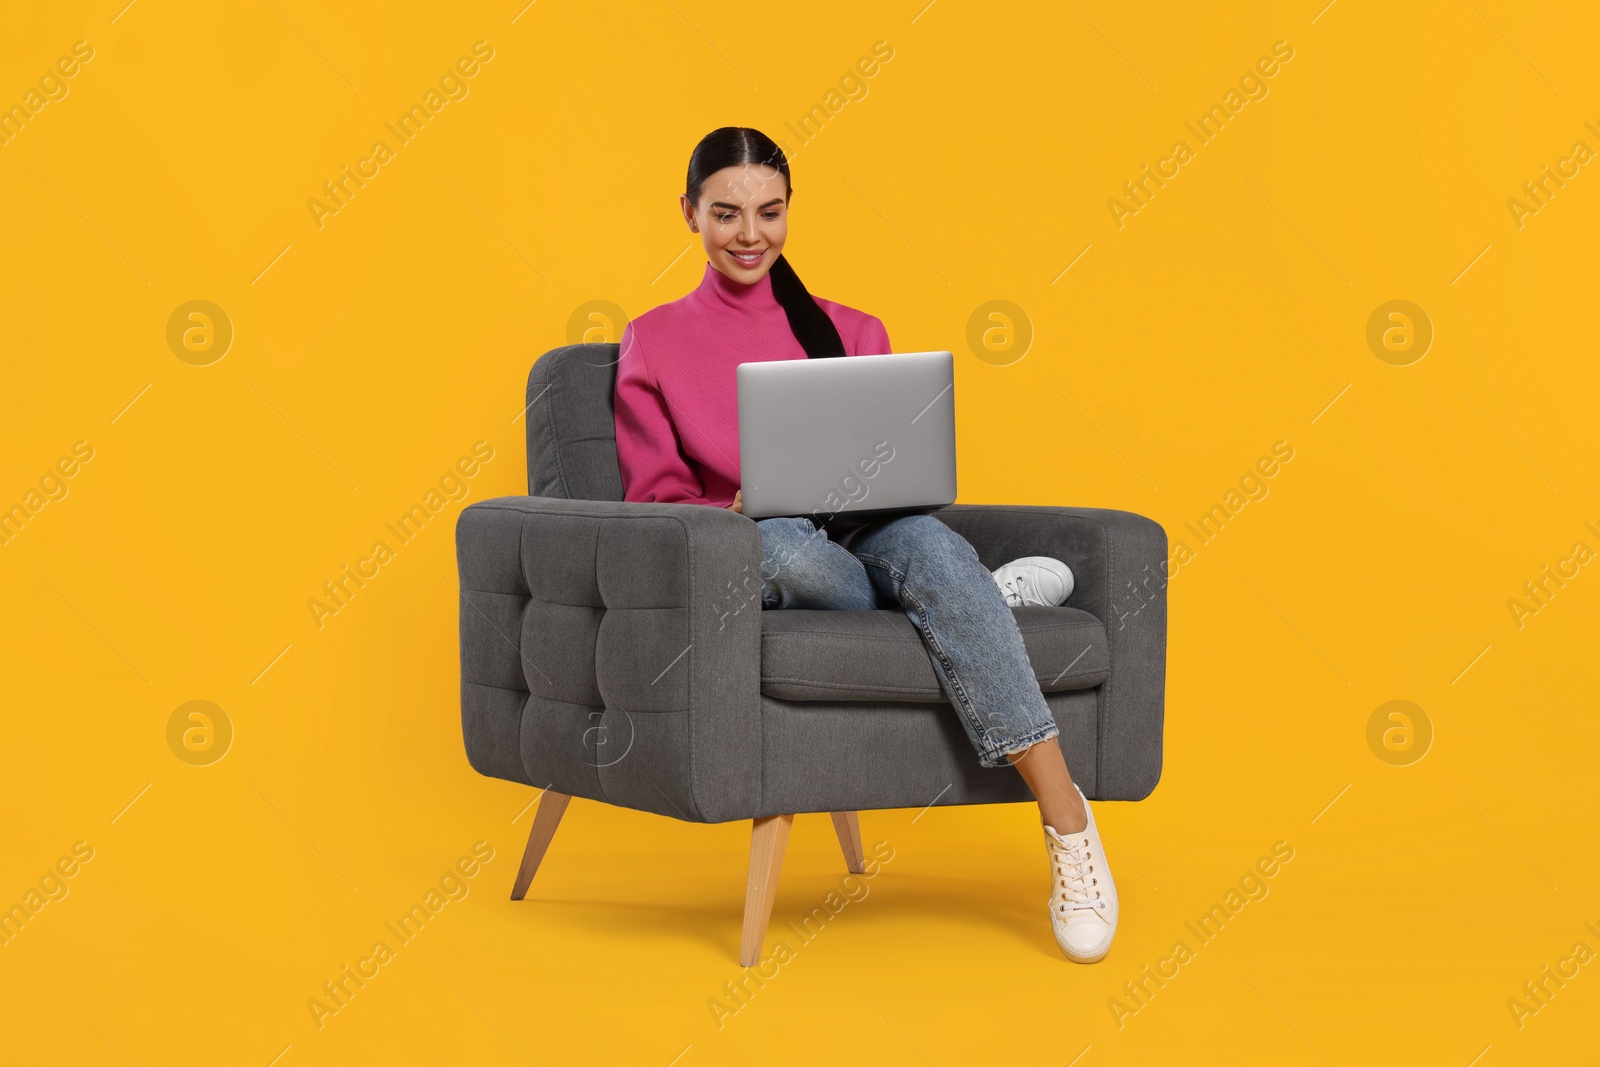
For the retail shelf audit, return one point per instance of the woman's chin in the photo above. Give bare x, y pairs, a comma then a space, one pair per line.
740, 271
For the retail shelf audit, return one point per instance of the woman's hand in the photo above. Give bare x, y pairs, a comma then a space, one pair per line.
738, 502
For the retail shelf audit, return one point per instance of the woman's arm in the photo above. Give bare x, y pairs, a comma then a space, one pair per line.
874, 338
651, 460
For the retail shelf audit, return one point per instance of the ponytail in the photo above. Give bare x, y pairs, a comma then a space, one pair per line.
811, 325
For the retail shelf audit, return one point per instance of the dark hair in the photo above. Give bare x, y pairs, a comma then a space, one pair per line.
737, 146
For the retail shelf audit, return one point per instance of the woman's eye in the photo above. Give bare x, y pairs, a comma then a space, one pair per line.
770, 215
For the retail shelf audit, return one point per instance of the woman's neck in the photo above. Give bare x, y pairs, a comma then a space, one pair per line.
720, 289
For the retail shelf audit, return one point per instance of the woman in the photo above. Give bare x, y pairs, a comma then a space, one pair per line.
677, 442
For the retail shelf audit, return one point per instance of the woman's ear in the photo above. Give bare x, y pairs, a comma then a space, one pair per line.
688, 212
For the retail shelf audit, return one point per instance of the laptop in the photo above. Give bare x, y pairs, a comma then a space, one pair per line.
856, 437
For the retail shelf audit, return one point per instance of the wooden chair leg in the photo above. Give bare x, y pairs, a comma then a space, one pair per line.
768, 838
552, 806
848, 827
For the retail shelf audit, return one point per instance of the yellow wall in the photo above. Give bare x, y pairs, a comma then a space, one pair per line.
374, 347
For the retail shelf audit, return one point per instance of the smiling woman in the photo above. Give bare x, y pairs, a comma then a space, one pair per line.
677, 439
676, 409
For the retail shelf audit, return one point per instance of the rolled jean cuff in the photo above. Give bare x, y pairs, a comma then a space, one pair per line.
995, 755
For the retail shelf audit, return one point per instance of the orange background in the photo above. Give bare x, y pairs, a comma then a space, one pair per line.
368, 355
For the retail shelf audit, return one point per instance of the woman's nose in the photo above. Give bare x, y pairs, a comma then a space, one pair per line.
747, 230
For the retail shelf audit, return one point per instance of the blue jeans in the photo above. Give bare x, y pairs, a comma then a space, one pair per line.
934, 574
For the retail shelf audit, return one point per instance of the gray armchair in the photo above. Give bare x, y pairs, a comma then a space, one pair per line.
618, 652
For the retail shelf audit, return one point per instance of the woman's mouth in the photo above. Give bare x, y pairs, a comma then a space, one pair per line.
748, 259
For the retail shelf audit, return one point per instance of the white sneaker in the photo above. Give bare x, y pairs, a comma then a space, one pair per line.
1083, 898
1035, 580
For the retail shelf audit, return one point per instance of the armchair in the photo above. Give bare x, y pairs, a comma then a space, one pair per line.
618, 652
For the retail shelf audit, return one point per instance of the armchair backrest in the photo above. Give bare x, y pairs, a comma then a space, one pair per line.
572, 428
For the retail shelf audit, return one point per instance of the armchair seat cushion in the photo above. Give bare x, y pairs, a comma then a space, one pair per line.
878, 655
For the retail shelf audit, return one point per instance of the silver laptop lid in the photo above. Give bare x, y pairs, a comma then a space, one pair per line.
854, 435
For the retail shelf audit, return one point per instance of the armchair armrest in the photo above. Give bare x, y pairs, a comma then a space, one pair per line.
611, 650
1119, 567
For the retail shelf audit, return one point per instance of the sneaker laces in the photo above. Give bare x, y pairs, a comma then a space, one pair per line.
1015, 590
1077, 886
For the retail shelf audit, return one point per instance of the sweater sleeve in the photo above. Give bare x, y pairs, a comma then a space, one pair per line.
649, 455
872, 339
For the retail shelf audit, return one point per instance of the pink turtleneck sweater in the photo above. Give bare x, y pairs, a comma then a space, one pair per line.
676, 397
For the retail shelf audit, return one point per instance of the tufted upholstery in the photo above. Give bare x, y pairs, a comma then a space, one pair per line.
589, 665
878, 655
599, 658
571, 424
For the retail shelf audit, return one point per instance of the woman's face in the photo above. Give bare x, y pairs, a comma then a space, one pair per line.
742, 218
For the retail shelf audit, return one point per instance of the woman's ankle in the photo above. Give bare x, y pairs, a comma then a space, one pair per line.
1044, 768
1066, 816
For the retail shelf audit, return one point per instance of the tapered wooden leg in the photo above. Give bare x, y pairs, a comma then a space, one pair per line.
768, 838
848, 827
552, 806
